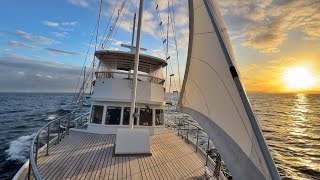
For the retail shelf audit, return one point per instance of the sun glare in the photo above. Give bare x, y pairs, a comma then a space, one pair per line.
299, 78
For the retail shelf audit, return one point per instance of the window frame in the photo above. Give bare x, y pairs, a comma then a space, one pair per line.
155, 117
136, 119
93, 112
152, 114
106, 111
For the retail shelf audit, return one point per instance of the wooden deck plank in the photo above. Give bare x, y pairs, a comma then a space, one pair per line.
79, 170
54, 151
98, 168
135, 169
169, 155
106, 166
58, 156
77, 159
91, 156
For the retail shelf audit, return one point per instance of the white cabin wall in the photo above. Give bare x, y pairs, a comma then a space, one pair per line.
108, 89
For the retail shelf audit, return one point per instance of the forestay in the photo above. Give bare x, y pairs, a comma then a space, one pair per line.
213, 95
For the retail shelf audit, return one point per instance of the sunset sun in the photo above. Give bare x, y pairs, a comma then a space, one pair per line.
299, 78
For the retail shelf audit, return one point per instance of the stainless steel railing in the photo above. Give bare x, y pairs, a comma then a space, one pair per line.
126, 75
184, 128
61, 125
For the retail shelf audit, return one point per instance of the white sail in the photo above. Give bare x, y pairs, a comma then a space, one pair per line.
213, 95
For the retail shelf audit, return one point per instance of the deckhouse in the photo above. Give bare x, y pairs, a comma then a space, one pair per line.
110, 109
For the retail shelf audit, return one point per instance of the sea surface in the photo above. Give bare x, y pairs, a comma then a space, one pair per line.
290, 124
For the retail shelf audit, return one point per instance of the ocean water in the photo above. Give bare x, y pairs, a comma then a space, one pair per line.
290, 124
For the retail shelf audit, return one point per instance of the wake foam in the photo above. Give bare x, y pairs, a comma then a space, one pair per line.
19, 149
51, 117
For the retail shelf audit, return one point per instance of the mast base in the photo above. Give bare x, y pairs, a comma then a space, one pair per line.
132, 142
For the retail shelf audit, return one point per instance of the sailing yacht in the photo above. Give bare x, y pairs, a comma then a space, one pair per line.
126, 137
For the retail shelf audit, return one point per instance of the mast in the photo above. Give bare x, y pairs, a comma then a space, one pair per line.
136, 65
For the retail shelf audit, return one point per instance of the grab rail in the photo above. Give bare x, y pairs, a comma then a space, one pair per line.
186, 129
111, 74
36, 140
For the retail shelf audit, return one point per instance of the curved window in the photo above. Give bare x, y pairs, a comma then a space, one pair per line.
126, 116
96, 114
145, 117
113, 115
159, 117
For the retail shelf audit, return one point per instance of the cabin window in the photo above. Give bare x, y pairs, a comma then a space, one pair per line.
159, 117
96, 114
145, 117
113, 115
126, 116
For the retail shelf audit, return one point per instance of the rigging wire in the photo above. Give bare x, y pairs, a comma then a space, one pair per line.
82, 89
104, 33
166, 48
125, 10
175, 39
95, 46
107, 39
86, 57
162, 38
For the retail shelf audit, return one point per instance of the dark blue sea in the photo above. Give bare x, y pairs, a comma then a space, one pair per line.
290, 124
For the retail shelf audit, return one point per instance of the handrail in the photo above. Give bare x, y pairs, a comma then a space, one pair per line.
216, 171
35, 140
110, 74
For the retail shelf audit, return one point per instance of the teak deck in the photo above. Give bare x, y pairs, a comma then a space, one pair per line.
82, 155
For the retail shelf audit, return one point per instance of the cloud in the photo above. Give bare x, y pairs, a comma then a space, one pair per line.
60, 34
64, 52
22, 45
82, 3
63, 26
265, 24
32, 38
50, 24
34, 74
31, 47
73, 23
269, 76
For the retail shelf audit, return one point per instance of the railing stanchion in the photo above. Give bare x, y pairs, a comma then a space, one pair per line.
182, 129
37, 148
187, 139
208, 151
179, 127
218, 166
29, 171
48, 139
34, 151
68, 124
74, 118
58, 132
175, 122
197, 140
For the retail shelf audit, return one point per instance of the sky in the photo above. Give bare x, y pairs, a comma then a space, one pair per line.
44, 44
